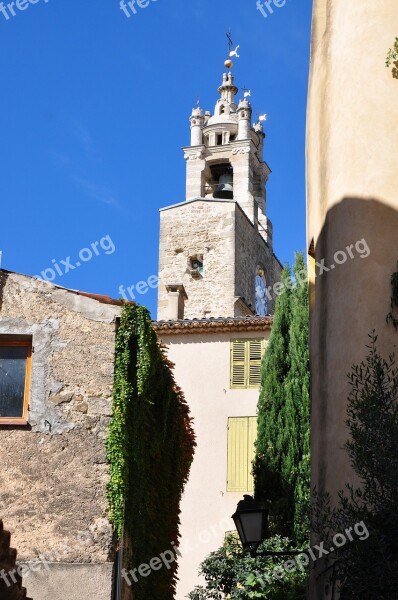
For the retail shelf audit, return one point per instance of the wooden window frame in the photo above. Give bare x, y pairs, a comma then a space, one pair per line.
247, 362
23, 420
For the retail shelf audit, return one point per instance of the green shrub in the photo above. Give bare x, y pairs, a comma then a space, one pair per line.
231, 572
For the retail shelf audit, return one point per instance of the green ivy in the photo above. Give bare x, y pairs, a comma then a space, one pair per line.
150, 448
394, 300
392, 54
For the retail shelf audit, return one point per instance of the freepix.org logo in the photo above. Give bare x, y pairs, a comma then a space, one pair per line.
60, 268
267, 7
9, 11
130, 7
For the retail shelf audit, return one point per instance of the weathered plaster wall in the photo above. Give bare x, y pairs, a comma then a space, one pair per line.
54, 470
352, 175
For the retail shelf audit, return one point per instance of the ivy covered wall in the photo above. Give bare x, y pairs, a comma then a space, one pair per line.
150, 447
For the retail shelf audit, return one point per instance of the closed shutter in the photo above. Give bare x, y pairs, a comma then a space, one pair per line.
242, 433
255, 355
252, 436
238, 363
246, 357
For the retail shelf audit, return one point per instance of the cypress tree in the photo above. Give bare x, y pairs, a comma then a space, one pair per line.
296, 455
282, 463
267, 468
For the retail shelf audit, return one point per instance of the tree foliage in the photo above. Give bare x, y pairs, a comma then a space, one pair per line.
150, 447
282, 464
270, 486
392, 315
230, 572
368, 569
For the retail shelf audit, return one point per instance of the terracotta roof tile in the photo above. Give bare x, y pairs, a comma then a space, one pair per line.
217, 325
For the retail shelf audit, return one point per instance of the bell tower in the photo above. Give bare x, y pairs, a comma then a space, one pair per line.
215, 243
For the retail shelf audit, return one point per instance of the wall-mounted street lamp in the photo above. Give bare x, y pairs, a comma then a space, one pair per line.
251, 521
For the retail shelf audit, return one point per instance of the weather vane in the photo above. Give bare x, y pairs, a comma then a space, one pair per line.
228, 63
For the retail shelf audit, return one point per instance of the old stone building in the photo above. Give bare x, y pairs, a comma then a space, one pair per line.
352, 175
216, 270
57, 356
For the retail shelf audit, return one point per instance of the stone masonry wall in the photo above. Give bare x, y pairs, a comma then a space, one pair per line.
199, 227
252, 251
232, 249
54, 471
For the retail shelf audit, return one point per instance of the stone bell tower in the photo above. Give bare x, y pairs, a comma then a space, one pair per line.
215, 243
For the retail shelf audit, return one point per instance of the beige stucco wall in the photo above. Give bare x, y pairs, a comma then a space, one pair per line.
54, 470
202, 370
352, 179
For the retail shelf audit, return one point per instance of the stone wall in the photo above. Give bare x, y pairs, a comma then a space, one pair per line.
231, 248
198, 227
54, 470
251, 252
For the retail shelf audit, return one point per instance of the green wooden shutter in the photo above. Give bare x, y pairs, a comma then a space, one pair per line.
238, 364
242, 433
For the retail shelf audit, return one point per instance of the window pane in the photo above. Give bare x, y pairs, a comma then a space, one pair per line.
12, 380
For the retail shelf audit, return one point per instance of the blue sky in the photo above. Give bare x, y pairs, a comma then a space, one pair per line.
95, 109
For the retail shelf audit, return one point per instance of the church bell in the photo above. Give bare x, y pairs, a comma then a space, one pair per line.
225, 188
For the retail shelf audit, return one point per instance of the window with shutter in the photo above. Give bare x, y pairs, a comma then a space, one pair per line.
246, 357
238, 363
255, 356
242, 433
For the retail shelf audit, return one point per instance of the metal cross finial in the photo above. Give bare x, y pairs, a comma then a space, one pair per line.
230, 42
197, 101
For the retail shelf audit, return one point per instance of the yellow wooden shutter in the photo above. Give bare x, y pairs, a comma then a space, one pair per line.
238, 363
242, 433
255, 353
252, 436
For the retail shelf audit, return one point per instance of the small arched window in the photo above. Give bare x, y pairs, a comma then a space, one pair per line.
222, 109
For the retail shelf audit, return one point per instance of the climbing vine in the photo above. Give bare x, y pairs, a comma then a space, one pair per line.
392, 54
150, 448
391, 318
392, 59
